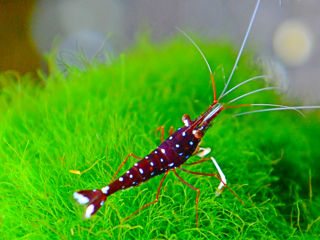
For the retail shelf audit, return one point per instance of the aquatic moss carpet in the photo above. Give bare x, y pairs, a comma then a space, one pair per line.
88, 119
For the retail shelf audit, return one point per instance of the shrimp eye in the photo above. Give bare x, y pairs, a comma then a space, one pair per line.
186, 120
198, 134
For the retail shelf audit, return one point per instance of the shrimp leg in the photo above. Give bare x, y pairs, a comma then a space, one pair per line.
194, 188
153, 202
124, 161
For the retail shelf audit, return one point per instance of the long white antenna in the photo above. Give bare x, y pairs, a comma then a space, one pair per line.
242, 46
197, 47
208, 65
244, 82
276, 105
278, 109
252, 92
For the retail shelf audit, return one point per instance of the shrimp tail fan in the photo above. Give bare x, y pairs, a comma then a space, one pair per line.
93, 199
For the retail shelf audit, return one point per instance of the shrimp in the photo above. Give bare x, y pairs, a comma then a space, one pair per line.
181, 145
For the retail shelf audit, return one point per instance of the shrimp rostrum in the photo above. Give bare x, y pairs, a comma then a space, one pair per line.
180, 145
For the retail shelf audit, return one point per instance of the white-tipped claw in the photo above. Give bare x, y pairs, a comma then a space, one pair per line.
222, 176
203, 152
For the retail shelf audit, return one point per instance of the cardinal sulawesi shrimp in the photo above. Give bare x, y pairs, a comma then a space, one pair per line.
180, 146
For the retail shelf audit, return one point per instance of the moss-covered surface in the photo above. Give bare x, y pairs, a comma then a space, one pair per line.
92, 118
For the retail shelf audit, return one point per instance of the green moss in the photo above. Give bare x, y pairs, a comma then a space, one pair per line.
93, 118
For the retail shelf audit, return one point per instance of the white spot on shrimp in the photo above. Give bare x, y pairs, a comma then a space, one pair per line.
170, 164
177, 145
89, 211
161, 160
141, 170
170, 138
146, 157
152, 173
180, 154
184, 134
80, 198
136, 164
152, 164
156, 152
105, 189
128, 171
94, 190
190, 143
194, 132
121, 179
131, 176
186, 123
101, 203
163, 151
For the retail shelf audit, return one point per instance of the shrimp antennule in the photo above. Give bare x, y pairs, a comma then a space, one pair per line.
242, 47
295, 108
205, 59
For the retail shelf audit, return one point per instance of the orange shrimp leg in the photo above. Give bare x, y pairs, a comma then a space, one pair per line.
161, 129
124, 161
201, 152
153, 202
171, 130
213, 175
194, 188
197, 162
223, 181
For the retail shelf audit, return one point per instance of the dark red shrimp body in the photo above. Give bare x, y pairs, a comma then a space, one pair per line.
171, 153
